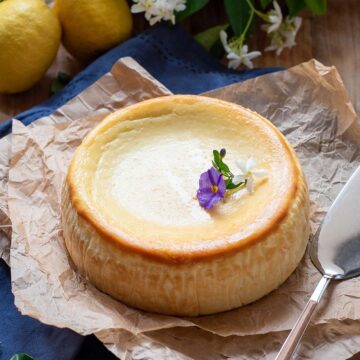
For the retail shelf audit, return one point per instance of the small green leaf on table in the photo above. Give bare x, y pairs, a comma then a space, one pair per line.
61, 80
192, 6
210, 36
22, 356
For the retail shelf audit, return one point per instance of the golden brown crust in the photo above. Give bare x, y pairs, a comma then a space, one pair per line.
168, 255
195, 283
189, 289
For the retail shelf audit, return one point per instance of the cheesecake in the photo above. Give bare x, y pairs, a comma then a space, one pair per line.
133, 225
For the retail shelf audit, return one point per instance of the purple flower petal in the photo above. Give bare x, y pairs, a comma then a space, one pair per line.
207, 199
213, 176
221, 186
204, 181
209, 181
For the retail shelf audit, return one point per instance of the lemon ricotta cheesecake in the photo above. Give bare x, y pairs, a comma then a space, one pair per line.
141, 227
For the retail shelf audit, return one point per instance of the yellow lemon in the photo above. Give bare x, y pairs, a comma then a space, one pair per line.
29, 39
92, 26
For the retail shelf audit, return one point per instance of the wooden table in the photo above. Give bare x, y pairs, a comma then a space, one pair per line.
333, 39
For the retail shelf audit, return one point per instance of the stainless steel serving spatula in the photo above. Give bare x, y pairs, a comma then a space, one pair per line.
335, 251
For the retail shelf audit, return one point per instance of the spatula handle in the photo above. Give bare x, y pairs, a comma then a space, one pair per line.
303, 321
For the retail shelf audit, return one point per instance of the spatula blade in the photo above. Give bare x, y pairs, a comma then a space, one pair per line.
335, 249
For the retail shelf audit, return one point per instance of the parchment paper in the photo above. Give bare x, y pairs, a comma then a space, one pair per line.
309, 105
5, 224
125, 84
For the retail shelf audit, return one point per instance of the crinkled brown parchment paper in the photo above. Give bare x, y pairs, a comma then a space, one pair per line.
309, 105
5, 223
122, 86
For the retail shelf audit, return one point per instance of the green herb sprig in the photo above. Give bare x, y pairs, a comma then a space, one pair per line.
219, 164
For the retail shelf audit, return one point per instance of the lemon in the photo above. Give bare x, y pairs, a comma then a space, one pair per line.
29, 39
92, 26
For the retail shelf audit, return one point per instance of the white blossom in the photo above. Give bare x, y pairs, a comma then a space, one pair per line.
237, 56
291, 28
157, 10
285, 36
275, 19
248, 172
146, 6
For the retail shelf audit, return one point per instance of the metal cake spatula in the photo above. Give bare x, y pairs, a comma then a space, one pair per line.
335, 251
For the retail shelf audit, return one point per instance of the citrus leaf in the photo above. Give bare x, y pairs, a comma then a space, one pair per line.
217, 50
295, 6
192, 6
265, 3
318, 7
238, 12
210, 36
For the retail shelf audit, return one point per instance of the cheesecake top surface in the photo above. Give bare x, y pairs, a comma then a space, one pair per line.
135, 177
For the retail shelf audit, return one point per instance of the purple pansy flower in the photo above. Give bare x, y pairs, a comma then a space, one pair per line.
211, 188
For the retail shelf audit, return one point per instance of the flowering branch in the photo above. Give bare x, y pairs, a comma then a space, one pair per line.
158, 10
281, 28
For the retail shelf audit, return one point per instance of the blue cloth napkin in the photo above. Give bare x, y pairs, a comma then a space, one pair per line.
175, 59
169, 53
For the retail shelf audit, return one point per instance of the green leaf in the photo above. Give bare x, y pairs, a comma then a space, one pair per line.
61, 81
265, 3
215, 166
231, 186
217, 50
224, 168
318, 7
295, 6
21, 356
216, 161
209, 37
238, 13
220, 165
216, 155
192, 6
